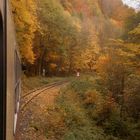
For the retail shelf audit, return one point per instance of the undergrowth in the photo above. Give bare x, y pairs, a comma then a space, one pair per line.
85, 110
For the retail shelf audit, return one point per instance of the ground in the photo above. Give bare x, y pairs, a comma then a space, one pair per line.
32, 120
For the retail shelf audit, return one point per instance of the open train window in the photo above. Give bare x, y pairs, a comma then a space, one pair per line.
2, 81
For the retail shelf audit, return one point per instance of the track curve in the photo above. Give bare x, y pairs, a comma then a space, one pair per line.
34, 93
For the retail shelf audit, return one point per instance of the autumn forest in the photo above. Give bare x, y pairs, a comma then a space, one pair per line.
101, 40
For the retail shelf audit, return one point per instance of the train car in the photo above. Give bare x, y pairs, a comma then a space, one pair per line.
10, 69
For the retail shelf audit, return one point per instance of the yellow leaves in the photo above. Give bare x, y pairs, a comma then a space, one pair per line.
125, 54
101, 64
102, 105
103, 59
109, 65
67, 14
32, 4
24, 13
129, 50
26, 49
135, 31
52, 67
53, 56
92, 97
27, 53
77, 24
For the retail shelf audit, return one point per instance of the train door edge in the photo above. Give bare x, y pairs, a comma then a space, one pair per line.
2, 80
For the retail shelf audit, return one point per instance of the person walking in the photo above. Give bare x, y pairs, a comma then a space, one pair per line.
78, 74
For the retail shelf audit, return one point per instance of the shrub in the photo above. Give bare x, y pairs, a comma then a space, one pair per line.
55, 125
81, 86
92, 97
132, 96
84, 133
134, 131
74, 115
105, 109
117, 128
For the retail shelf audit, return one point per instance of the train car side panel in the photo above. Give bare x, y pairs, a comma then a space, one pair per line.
11, 48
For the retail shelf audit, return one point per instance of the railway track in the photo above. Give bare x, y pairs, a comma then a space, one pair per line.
28, 97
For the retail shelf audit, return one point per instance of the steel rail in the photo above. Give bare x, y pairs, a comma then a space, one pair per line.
41, 91
32, 91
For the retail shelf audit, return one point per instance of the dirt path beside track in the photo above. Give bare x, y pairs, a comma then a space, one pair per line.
32, 120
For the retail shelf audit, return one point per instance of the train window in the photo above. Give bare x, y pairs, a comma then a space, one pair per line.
17, 87
17, 67
2, 81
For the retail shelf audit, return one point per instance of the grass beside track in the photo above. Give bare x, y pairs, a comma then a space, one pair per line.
31, 83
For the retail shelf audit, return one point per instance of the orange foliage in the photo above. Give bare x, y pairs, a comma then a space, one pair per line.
101, 63
92, 97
